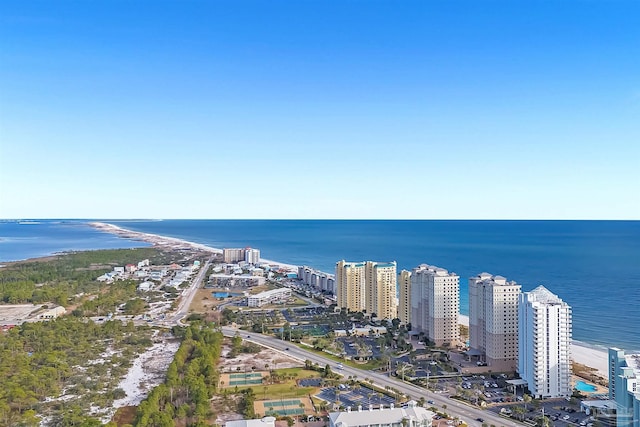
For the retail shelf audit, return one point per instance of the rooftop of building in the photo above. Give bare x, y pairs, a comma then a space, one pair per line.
632, 360
380, 415
262, 422
270, 292
544, 295
489, 279
432, 269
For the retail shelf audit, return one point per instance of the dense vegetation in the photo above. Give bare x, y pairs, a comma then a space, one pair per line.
192, 379
64, 368
60, 279
85, 360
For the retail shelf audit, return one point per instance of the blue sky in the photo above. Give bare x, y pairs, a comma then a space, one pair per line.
320, 109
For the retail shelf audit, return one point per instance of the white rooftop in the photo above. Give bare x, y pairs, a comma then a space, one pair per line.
263, 422
370, 416
544, 295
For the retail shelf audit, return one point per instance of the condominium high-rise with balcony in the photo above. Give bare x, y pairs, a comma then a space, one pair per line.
350, 285
624, 386
367, 286
493, 321
435, 304
380, 293
544, 343
404, 305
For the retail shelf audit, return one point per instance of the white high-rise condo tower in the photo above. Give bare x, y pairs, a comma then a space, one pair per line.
544, 343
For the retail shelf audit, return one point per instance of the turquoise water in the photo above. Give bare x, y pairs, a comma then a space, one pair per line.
224, 294
585, 387
593, 265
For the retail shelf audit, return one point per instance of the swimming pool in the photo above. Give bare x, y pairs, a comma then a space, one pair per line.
585, 387
225, 294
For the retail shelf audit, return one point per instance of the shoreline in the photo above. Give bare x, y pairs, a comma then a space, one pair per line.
583, 353
171, 242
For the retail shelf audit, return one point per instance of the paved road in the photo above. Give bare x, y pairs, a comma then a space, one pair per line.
188, 294
453, 407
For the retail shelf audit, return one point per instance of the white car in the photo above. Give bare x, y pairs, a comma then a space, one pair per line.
566, 417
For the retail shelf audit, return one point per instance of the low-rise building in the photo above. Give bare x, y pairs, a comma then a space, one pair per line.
51, 313
145, 286
268, 297
411, 415
262, 422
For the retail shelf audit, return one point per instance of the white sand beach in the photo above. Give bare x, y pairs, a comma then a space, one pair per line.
589, 356
581, 353
172, 242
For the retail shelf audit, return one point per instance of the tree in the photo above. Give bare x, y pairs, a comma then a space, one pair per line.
525, 400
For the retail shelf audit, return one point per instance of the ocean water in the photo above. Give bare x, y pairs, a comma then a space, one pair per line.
21, 240
593, 265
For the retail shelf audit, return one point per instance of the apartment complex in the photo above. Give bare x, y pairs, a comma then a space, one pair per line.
380, 292
323, 281
350, 285
544, 343
410, 416
233, 255
624, 387
435, 304
493, 320
404, 305
269, 297
367, 286
252, 256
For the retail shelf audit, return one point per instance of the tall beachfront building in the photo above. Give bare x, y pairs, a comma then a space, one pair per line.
367, 286
404, 305
230, 255
380, 293
493, 321
252, 256
435, 304
624, 387
350, 285
544, 343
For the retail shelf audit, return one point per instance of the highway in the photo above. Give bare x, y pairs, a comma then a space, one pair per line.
187, 296
466, 413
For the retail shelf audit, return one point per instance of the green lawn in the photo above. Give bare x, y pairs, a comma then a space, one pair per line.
288, 388
369, 366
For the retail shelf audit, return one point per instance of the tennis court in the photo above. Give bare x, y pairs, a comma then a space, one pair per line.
283, 407
240, 379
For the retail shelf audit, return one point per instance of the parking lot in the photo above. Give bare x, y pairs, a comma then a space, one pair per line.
560, 412
353, 397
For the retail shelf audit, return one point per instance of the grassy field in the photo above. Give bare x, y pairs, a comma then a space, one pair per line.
369, 366
288, 387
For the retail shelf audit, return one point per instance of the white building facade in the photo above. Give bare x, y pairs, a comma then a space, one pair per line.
252, 256
544, 343
435, 304
410, 416
493, 320
268, 297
